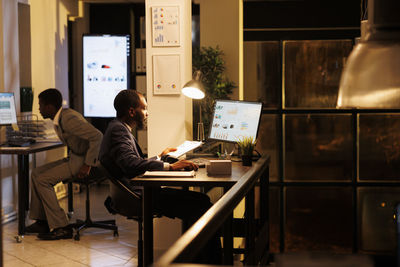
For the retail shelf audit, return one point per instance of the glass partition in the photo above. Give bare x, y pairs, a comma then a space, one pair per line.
312, 72
262, 77
379, 149
318, 147
312, 219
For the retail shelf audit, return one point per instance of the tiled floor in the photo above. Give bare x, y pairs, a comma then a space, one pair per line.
97, 247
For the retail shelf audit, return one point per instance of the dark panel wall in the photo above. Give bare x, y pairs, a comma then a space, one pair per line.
301, 13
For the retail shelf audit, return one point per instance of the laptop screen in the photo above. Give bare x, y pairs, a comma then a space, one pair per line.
8, 114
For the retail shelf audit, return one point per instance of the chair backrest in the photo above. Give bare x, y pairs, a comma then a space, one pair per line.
124, 200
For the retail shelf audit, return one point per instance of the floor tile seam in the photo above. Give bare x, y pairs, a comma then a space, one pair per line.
19, 258
110, 254
52, 252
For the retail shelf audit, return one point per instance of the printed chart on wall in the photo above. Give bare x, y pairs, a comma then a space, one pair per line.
165, 26
105, 72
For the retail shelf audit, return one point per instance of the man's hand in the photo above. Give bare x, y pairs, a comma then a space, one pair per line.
84, 171
183, 164
166, 151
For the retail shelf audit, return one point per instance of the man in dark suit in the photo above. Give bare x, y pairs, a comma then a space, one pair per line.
121, 155
83, 142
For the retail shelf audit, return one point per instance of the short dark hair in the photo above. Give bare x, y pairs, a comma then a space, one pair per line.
126, 99
52, 97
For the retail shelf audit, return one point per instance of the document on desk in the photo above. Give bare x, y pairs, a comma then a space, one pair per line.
14, 147
170, 174
185, 147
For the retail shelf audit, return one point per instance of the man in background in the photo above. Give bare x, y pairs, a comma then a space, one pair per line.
83, 142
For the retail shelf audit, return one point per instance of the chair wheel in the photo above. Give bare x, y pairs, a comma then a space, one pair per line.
116, 233
18, 238
77, 237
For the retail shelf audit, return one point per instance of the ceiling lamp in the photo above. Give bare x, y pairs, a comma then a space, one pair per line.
371, 77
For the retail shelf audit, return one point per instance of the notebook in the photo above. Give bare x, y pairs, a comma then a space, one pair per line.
170, 174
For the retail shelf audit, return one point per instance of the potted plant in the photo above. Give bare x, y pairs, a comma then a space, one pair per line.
210, 62
246, 146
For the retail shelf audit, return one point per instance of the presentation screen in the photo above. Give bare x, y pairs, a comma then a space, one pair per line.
106, 70
233, 120
8, 114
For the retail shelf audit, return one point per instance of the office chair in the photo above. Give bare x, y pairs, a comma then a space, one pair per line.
95, 175
128, 203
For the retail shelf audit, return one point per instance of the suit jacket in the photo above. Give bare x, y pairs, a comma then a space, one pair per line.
81, 137
121, 155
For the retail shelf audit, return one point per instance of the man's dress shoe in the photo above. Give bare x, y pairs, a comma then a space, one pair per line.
57, 234
39, 227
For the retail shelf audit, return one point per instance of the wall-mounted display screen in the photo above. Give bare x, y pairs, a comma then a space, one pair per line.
233, 120
8, 114
106, 71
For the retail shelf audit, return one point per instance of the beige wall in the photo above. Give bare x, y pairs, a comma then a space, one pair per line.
49, 60
170, 119
221, 23
50, 45
9, 82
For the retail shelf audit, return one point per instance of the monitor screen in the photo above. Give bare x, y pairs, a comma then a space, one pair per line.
8, 114
233, 120
106, 71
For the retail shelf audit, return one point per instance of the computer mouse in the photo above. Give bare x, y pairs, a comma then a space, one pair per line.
201, 165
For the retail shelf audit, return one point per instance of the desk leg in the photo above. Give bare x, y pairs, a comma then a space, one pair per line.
147, 226
264, 203
70, 200
250, 227
228, 238
23, 191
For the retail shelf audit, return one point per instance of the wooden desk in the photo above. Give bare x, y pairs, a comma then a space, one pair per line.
201, 179
23, 176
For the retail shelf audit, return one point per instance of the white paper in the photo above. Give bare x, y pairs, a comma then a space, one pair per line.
185, 147
165, 25
166, 74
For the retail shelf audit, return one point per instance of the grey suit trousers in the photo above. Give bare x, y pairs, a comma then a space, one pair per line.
44, 203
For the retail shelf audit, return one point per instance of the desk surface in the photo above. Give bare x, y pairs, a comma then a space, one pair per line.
36, 147
200, 179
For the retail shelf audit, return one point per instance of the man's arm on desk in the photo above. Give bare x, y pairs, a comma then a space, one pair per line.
183, 164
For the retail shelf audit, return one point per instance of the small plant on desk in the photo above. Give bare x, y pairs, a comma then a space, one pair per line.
246, 145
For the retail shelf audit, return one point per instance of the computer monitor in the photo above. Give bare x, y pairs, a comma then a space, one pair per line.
106, 71
8, 114
233, 120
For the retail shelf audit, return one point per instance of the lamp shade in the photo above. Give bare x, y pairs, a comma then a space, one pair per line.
371, 77
194, 88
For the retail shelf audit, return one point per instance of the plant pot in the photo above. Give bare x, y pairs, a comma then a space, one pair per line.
247, 160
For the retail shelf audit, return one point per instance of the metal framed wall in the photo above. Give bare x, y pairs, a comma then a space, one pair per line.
358, 190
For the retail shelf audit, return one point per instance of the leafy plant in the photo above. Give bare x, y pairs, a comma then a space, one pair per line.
210, 62
246, 145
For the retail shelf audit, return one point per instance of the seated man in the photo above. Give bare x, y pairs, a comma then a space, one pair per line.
121, 155
83, 141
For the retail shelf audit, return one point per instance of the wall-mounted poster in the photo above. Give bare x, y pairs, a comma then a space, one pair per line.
106, 72
165, 25
166, 75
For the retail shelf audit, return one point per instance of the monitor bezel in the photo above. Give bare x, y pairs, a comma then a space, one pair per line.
15, 110
233, 101
129, 67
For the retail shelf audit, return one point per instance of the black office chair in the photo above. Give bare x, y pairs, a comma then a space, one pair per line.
96, 174
128, 203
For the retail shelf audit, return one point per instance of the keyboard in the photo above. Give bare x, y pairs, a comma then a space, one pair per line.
19, 142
